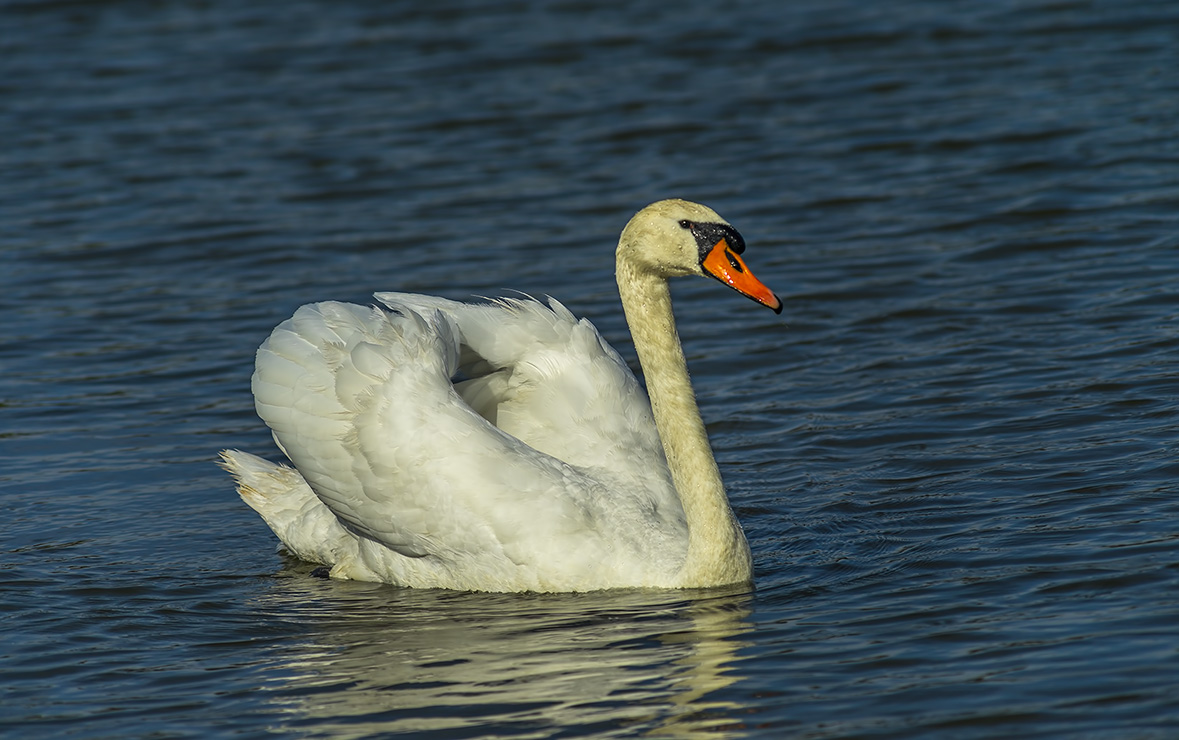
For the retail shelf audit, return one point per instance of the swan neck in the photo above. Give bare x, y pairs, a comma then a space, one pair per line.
718, 553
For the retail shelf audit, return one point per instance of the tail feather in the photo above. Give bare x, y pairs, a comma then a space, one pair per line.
284, 500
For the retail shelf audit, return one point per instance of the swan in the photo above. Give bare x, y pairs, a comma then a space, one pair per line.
503, 446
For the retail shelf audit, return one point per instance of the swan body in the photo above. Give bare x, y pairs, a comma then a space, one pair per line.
502, 446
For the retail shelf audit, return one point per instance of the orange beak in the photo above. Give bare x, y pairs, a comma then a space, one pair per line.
727, 266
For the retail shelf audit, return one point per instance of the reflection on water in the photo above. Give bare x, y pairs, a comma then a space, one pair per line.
387, 660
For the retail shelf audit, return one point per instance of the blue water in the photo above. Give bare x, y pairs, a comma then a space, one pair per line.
954, 453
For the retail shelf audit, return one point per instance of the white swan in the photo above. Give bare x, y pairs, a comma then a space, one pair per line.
503, 446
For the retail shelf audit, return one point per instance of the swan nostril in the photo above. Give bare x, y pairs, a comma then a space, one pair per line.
734, 262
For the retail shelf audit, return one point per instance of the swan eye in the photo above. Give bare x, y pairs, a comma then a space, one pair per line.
688, 225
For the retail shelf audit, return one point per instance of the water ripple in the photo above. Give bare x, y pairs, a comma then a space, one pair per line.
952, 453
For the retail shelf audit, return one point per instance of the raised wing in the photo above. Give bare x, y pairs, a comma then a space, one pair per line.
362, 402
550, 380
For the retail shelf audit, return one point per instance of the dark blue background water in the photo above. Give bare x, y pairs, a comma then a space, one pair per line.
954, 454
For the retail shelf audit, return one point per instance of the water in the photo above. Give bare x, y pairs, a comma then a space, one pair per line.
953, 453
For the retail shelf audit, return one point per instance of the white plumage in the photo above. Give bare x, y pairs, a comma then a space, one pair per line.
500, 446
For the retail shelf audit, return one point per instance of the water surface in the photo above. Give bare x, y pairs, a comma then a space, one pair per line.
953, 453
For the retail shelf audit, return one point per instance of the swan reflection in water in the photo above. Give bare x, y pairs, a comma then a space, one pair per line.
379, 659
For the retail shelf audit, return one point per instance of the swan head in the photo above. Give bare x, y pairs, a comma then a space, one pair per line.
671, 238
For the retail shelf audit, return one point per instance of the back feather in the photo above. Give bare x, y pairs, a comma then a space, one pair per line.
546, 438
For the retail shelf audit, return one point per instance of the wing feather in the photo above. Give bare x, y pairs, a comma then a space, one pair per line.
560, 493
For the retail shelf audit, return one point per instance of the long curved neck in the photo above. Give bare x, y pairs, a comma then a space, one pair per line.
718, 553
